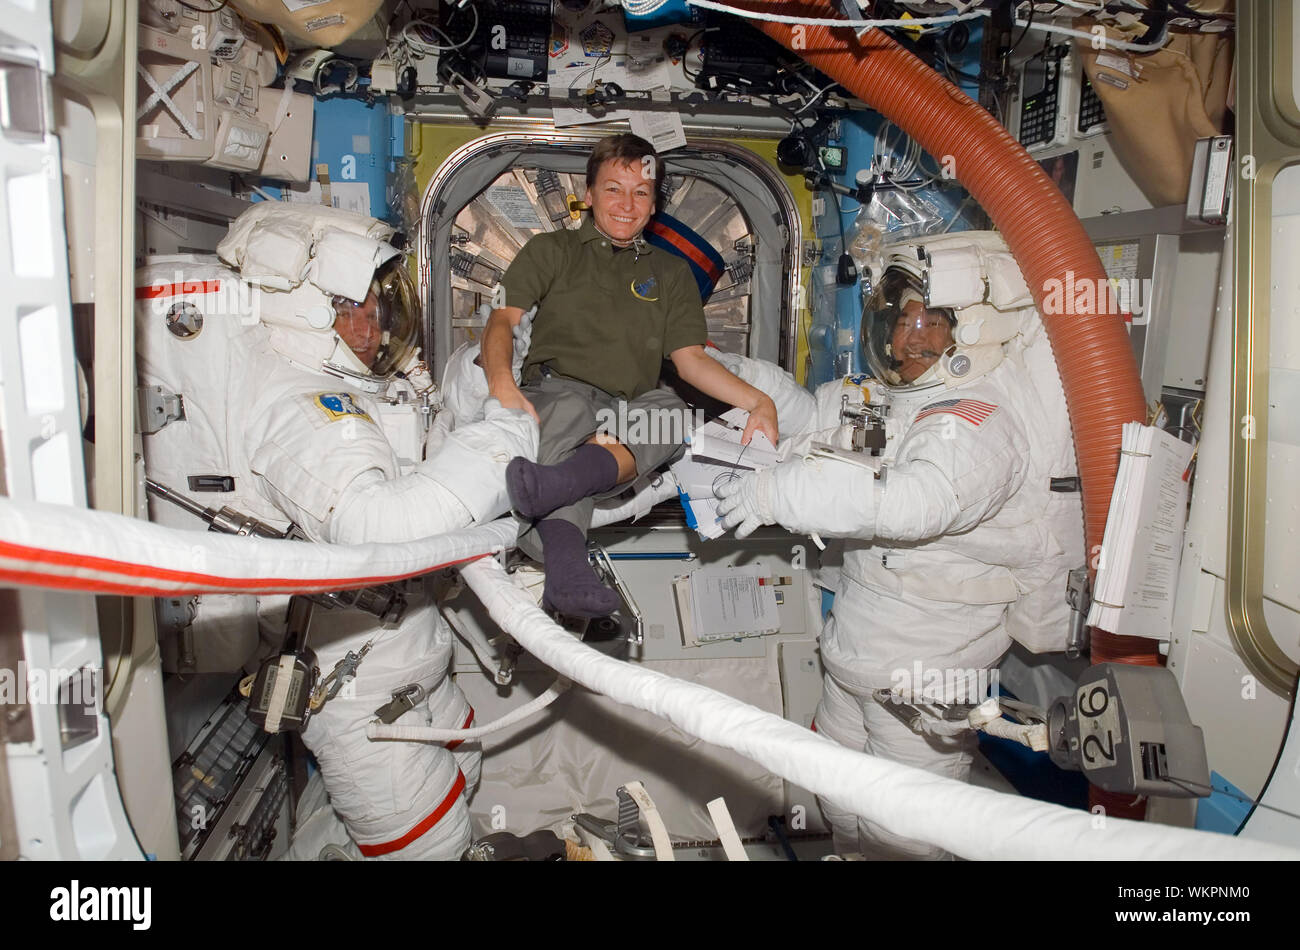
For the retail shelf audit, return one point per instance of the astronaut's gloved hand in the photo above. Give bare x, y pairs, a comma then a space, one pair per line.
745, 502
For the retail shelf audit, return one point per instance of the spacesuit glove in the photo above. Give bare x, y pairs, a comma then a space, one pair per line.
471, 461
827, 496
744, 502
522, 339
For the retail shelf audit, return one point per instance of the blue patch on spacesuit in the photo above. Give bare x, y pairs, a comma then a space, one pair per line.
339, 406
857, 379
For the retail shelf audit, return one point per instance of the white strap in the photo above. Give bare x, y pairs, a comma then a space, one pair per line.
160, 95
731, 846
599, 850
282, 108
658, 831
988, 717
377, 730
279, 693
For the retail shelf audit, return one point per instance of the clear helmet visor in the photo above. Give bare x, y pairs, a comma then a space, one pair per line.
383, 330
901, 337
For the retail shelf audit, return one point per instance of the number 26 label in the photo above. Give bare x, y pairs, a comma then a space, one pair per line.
1098, 724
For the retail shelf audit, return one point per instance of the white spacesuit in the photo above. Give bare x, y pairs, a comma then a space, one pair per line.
956, 543
298, 379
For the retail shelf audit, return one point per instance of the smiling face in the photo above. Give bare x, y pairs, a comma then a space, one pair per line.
622, 199
358, 326
920, 336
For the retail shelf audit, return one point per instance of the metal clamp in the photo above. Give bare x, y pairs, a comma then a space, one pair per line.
868, 424
605, 566
156, 408
1079, 597
403, 701
624, 836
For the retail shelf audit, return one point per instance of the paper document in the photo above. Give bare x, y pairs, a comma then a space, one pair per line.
1137, 571
723, 603
719, 442
716, 455
663, 130
351, 196
513, 202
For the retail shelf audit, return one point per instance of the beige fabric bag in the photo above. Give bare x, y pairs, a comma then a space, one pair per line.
1159, 104
322, 23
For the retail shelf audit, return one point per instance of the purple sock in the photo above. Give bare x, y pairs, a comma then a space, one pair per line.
572, 587
537, 490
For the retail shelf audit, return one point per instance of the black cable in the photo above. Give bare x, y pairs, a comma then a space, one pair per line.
189, 6
958, 74
795, 120
601, 61
777, 824
1183, 782
1020, 38
689, 40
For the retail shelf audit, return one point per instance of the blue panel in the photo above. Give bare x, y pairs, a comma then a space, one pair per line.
1032, 773
1225, 809
355, 140
672, 11
837, 311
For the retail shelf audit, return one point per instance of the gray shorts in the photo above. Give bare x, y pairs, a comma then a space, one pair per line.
652, 427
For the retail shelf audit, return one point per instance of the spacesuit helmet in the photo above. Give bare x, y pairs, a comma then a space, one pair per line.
902, 337
942, 310
331, 287
380, 332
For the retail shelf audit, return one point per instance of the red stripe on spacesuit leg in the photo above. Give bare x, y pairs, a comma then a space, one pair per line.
397, 844
456, 742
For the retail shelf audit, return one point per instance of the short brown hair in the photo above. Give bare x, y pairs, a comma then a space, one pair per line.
626, 149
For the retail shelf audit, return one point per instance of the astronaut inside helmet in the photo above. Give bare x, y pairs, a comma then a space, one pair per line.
381, 330
904, 337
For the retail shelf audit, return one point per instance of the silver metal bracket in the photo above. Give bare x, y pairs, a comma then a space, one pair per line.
624, 835
605, 566
1079, 597
158, 408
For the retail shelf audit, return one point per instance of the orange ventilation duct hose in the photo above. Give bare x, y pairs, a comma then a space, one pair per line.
1092, 349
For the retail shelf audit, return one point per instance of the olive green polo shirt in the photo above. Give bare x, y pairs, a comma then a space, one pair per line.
607, 316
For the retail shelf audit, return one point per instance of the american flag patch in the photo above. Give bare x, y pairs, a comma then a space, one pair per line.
972, 410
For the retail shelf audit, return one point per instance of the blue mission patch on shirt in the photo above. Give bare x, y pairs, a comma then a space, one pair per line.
339, 406
643, 289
